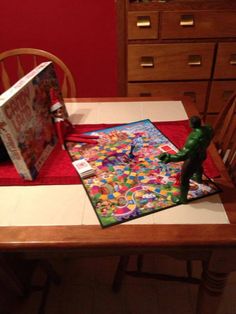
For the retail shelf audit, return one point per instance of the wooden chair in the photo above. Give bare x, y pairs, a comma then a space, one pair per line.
17, 272
16, 63
122, 266
19, 268
225, 136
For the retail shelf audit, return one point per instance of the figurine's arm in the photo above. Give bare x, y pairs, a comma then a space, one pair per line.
180, 156
188, 149
68, 126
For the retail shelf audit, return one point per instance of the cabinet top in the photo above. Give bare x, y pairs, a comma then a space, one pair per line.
161, 5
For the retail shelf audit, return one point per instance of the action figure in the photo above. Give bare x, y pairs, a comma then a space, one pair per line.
193, 153
64, 128
137, 143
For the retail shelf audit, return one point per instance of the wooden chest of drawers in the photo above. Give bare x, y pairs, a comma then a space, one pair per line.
176, 48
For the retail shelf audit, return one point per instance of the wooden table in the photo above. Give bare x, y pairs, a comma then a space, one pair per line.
212, 242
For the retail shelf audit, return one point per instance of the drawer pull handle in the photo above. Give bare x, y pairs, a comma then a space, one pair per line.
145, 94
192, 95
143, 22
186, 21
232, 60
195, 60
147, 62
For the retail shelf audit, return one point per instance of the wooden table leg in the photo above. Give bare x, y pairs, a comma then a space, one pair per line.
221, 263
210, 292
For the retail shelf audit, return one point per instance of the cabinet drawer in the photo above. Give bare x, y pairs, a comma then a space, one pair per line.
198, 24
170, 61
226, 61
143, 25
195, 90
220, 93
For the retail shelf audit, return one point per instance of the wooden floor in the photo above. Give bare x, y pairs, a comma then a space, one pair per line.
86, 289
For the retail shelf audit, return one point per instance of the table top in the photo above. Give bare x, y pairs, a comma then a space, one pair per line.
69, 221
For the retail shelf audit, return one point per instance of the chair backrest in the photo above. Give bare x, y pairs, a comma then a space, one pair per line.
225, 135
18, 62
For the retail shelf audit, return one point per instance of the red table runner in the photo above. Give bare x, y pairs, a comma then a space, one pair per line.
59, 170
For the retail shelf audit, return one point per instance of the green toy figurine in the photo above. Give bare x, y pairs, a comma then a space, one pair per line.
193, 153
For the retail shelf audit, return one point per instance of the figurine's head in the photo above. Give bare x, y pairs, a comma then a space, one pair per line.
195, 122
59, 113
55, 102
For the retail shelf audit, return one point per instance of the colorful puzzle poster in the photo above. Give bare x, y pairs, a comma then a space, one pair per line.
129, 180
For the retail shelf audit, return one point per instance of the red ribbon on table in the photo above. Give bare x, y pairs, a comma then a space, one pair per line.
59, 170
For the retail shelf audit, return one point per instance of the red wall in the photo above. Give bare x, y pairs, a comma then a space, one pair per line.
80, 32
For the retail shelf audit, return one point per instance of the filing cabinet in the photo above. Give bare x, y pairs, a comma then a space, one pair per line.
176, 48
